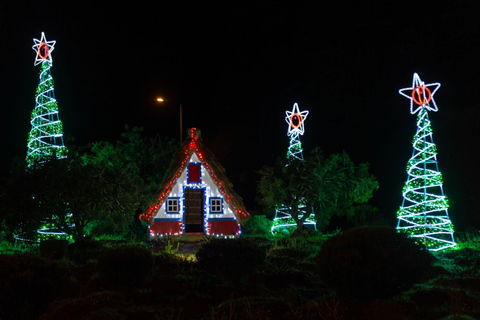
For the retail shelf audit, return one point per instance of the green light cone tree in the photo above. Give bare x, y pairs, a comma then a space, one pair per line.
424, 211
283, 221
45, 140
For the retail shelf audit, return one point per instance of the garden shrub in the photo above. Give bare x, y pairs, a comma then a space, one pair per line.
257, 225
299, 253
469, 239
463, 259
29, 283
371, 262
53, 248
127, 266
83, 250
230, 257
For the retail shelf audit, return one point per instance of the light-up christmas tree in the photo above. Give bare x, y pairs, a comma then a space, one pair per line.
283, 220
424, 211
45, 140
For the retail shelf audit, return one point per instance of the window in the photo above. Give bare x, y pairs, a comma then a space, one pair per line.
216, 205
172, 205
194, 173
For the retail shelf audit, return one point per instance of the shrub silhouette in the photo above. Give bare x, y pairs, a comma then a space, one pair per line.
127, 266
230, 258
257, 225
83, 250
29, 283
53, 248
371, 262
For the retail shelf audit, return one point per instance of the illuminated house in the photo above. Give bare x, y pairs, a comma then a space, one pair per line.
196, 196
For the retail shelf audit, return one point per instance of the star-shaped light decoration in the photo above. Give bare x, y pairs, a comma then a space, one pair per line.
420, 95
44, 49
295, 120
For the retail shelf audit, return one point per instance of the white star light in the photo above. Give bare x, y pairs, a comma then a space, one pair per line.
295, 120
44, 49
420, 94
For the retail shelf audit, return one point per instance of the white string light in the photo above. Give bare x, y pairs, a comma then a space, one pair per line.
295, 120
296, 127
424, 211
44, 50
420, 94
46, 135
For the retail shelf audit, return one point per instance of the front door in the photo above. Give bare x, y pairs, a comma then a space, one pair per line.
194, 207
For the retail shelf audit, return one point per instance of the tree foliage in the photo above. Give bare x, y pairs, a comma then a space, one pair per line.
331, 186
101, 189
57, 192
134, 166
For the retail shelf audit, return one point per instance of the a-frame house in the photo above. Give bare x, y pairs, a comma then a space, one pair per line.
196, 196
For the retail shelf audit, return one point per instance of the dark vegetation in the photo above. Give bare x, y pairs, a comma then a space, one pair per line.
328, 186
113, 271
389, 263
362, 273
101, 189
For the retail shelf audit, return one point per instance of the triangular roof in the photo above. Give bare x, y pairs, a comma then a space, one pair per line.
193, 144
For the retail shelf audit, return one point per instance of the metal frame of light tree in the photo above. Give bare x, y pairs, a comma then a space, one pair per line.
45, 139
424, 211
296, 127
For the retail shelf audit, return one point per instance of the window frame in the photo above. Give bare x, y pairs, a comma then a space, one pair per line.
216, 205
168, 206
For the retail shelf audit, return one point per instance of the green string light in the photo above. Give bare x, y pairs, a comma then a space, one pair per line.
46, 135
424, 211
45, 140
283, 221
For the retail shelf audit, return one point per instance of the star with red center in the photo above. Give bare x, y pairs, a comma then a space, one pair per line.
420, 94
295, 120
44, 49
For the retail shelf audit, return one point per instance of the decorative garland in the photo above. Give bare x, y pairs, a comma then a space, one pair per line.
424, 211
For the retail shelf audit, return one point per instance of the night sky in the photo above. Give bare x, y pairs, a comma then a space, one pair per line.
236, 67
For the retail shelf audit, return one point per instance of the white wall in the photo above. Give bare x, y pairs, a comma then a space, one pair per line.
211, 190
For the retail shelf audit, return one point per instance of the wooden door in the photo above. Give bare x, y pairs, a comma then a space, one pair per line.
194, 206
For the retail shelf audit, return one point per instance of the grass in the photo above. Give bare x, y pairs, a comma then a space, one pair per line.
286, 286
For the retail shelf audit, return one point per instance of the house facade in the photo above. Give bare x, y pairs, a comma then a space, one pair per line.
196, 197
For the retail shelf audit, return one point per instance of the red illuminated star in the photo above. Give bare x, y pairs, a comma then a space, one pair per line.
44, 49
295, 120
420, 94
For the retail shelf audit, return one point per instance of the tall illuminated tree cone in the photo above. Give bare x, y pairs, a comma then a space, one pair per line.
45, 140
283, 221
424, 211
46, 135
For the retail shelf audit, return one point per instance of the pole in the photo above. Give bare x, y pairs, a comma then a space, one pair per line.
181, 124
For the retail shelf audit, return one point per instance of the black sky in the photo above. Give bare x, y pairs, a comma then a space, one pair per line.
237, 67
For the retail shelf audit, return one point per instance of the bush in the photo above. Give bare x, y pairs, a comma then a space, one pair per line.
230, 258
371, 262
53, 248
83, 250
29, 284
257, 225
127, 266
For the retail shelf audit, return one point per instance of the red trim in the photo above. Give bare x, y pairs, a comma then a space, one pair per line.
226, 227
166, 227
299, 120
192, 146
423, 93
43, 47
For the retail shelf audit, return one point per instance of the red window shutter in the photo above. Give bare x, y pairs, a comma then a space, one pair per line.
194, 173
